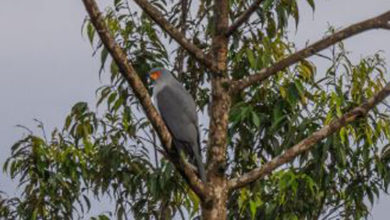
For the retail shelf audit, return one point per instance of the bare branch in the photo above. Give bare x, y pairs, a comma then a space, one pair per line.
386, 25
310, 141
142, 94
381, 21
177, 35
243, 18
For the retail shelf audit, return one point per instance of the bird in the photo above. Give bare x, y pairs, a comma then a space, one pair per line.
178, 111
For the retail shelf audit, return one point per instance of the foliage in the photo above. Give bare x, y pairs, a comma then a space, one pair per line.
116, 153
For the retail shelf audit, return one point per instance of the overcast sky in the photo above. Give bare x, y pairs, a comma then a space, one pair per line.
46, 65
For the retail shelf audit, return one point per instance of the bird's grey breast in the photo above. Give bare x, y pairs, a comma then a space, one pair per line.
178, 110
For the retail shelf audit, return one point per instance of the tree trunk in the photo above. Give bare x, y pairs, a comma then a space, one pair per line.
214, 207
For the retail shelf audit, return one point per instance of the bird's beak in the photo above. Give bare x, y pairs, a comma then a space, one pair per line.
150, 82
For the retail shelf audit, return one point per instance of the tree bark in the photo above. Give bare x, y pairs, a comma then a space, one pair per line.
214, 207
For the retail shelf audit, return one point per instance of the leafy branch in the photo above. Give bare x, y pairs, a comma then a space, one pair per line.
309, 142
381, 21
177, 35
243, 18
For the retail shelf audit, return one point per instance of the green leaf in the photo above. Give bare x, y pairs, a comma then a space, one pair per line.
253, 208
34, 214
255, 119
90, 32
311, 3
251, 58
267, 4
103, 58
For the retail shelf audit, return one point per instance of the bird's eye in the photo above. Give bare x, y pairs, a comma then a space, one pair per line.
155, 75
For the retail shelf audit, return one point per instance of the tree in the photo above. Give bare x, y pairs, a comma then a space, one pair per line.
284, 141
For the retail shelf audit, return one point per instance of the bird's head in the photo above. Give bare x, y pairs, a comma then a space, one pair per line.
157, 74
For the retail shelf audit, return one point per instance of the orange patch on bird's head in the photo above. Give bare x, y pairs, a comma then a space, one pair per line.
155, 75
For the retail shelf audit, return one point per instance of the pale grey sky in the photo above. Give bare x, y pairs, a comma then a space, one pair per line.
46, 65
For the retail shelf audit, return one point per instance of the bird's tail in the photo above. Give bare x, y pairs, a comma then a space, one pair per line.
194, 155
199, 163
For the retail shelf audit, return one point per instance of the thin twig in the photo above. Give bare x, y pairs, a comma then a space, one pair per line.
243, 18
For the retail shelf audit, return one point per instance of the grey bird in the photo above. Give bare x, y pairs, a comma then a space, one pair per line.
178, 110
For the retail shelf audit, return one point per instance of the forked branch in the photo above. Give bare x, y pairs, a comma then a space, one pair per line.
141, 93
381, 21
309, 142
192, 49
244, 17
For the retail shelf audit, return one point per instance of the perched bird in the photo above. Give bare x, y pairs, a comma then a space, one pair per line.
178, 110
